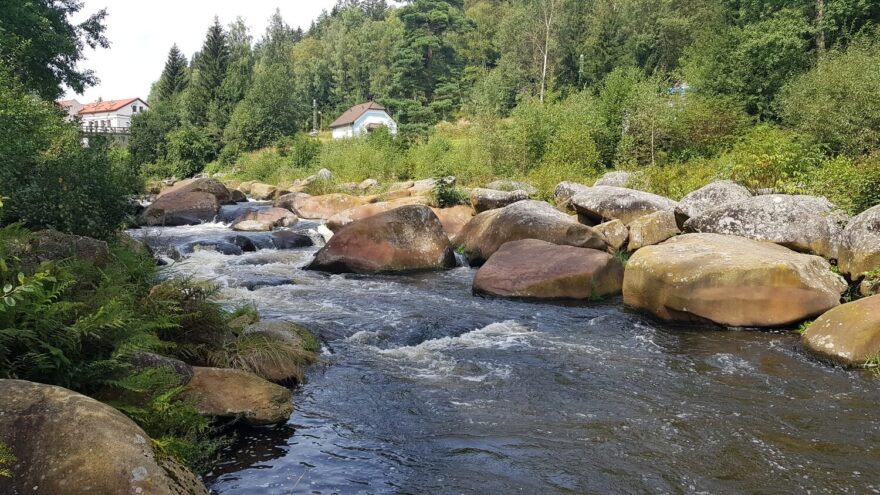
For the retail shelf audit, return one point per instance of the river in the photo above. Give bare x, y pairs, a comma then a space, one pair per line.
424, 388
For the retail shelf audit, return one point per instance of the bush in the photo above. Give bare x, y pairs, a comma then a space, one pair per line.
675, 180
189, 149
837, 103
853, 185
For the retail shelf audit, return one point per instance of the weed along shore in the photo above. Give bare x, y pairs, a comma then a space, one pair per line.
439, 247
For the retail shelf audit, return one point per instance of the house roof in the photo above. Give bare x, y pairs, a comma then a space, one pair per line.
106, 106
353, 113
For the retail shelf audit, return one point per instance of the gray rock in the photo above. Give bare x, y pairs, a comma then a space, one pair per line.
512, 185
565, 191
490, 199
368, 184
618, 178
808, 224
286, 239
148, 360
652, 229
710, 196
324, 174
603, 203
860, 244
614, 232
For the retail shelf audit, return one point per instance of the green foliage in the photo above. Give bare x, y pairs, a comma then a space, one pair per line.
6, 458
51, 180
174, 77
446, 194
675, 180
803, 327
851, 184
837, 103
42, 47
189, 149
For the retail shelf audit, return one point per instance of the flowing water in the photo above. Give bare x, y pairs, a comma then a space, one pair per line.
425, 388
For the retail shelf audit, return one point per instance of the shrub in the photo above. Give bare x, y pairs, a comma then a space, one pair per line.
189, 149
853, 185
675, 180
837, 103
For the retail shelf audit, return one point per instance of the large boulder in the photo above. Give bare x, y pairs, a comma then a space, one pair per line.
652, 229
617, 178
51, 245
294, 349
565, 191
542, 270
367, 184
512, 185
261, 191
263, 220
344, 218
490, 199
860, 246
142, 361
290, 200
408, 238
181, 208
807, 224
848, 334
710, 196
286, 239
204, 184
602, 203
488, 231
454, 218
325, 206
67, 444
729, 280
228, 393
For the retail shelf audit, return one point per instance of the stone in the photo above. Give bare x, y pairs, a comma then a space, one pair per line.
368, 184
181, 208
454, 218
488, 231
534, 269
263, 220
290, 200
67, 444
286, 239
325, 206
237, 196
614, 233
512, 185
602, 203
229, 393
490, 199
710, 196
204, 184
51, 245
617, 178
565, 191
261, 191
296, 348
652, 229
405, 239
860, 244
729, 280
344, 218
424, 186
245, 186
848, 334
807, 224
324, 174
147, 360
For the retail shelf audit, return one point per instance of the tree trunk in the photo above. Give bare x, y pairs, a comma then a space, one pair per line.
820, 21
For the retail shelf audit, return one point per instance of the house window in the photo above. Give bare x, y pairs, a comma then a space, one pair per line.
134, 109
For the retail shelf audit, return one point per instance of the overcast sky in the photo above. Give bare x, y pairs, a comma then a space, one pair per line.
141, 32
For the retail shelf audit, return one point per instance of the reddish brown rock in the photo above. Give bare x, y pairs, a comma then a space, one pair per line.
454, 219
405, 239
848, 334
229, 393
325, 206
206, 185
181, 208
344, 218
263, 220
541, 270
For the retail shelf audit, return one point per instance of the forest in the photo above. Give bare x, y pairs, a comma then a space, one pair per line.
776, 94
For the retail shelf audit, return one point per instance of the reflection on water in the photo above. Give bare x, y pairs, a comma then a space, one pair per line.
427, 389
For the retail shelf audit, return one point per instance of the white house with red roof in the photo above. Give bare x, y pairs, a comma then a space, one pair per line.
110, 115
362, 119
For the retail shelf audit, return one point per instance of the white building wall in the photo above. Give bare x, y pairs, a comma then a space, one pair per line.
374, 117
343, 132
117, 118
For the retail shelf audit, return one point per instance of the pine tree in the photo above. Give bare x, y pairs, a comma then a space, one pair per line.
174, 76
210, 70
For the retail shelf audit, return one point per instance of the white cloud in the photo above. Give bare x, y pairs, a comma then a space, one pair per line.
141, 33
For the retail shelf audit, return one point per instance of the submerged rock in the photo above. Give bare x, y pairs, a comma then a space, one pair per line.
716, 194
408, 238
488, 231
536, 269
490, 199
652, 229
603, 203
228, 393
69, 444
729, 280
808, 224
286, 239
848, 334
860, 246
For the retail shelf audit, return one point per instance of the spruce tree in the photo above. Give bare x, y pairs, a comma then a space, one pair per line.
174, 76
209, 72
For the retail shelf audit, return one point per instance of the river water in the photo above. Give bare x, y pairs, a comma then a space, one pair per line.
425, 388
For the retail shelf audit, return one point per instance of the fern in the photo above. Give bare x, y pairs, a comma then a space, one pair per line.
6, 458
